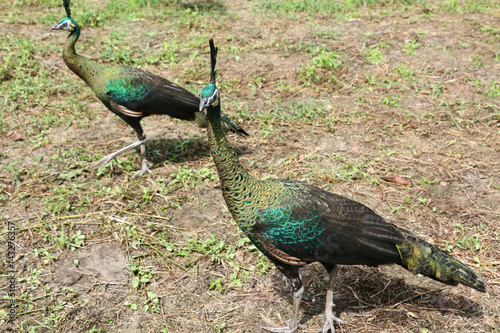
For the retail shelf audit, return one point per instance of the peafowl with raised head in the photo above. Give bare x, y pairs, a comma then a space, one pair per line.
294, 224
131, 93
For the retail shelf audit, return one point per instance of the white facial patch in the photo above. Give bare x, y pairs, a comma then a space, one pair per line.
214, 100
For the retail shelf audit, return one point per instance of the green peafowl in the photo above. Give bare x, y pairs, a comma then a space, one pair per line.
294, 223
131, 93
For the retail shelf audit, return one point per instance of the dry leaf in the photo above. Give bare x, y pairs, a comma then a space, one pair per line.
438, 302
398, 180
14, 136
306, 280
412, 314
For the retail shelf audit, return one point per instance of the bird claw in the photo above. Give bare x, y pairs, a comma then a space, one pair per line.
290, 328
140, 173
143, 170
329, 319
105, 160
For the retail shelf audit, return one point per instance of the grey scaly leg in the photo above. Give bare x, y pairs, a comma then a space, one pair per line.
144, 163
297, 297
106, 159
329, 317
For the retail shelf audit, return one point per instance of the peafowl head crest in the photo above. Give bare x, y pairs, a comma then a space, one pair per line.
66, 23
209, 96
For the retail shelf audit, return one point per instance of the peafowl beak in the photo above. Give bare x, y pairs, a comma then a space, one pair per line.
64, 25
59, 26
204, 103
212, 100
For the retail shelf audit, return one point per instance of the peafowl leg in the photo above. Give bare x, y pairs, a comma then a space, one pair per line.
144, 162
140, 142
298, 291
329, 317
106, 159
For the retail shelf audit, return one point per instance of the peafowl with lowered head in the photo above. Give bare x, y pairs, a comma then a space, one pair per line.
131, 93
295, 224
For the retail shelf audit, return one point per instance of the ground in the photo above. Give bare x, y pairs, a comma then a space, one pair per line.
337, 94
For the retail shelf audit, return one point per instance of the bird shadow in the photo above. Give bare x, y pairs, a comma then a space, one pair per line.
161, 150
206, 5
360, 289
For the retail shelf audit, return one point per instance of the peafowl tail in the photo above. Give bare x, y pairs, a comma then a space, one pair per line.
420, 257
229, 124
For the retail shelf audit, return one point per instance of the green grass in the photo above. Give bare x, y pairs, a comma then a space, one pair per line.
411, 46
346, 9
374, 54
390, 100
185, 177
322, 68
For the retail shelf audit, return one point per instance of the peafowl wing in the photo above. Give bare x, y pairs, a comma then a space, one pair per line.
328, 228
140, 94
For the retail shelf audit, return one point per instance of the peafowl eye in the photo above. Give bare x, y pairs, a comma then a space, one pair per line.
65, 24
209, 97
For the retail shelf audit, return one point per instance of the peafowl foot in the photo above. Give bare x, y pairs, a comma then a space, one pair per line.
103, 161
291, 328
143, 170
328, 326
106, 159
329, 317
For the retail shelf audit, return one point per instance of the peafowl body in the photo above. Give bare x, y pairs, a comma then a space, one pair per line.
294, 223
131, 93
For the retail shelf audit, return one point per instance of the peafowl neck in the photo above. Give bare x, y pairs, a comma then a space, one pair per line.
81, 66
71, 58
235, 180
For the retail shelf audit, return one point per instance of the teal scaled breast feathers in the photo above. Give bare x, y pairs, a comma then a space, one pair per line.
131, 93
284, 226
126, 90
294, 223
